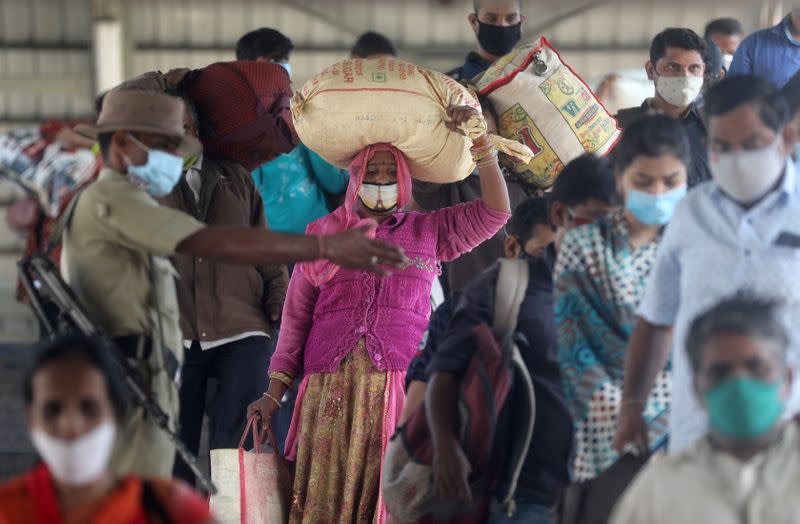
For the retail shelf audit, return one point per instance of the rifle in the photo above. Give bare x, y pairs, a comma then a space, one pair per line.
43, 284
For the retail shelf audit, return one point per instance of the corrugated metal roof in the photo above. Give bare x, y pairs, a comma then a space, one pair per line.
51, 38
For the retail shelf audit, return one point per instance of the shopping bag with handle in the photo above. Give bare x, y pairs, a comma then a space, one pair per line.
254, 487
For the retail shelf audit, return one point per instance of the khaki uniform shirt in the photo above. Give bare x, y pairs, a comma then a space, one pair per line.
116, 230
703, 485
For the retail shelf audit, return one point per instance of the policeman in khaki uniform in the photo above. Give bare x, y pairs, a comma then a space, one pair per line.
117, 240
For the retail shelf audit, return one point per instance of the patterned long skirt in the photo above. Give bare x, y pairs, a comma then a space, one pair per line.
340, 428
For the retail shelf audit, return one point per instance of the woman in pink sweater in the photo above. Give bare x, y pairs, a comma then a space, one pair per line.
351, 335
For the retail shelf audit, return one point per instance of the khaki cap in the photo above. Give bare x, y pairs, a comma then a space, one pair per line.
145, 112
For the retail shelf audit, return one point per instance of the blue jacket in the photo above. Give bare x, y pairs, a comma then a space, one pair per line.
771, 53
473, 66
293, 187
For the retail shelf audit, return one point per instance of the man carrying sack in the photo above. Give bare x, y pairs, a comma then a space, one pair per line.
116, 239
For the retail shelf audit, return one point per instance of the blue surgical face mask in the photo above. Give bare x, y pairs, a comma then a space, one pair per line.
654, 210
160, 174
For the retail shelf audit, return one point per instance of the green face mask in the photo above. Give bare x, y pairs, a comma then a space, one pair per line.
743, 408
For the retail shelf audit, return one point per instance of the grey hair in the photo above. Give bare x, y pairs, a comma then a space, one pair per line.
741, 314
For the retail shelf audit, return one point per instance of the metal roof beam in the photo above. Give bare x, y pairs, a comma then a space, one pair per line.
53, 83
437, 50
29, 45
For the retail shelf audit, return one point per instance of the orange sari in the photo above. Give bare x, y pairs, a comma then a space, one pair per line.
31, 499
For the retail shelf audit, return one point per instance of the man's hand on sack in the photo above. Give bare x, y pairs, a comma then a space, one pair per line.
460, 115
175, 76
451, 471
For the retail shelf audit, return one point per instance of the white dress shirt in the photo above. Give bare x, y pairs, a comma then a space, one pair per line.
712, 249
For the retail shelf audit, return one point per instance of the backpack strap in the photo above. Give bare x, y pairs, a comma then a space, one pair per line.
512, 284
523, 430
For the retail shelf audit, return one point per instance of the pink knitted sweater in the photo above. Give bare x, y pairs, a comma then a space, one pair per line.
321, 325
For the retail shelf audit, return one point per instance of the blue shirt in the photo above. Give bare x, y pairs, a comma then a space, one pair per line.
771, 53
712, 249
473, 66
294, 186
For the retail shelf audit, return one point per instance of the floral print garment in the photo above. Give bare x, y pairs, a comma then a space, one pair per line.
340, 443
599, 282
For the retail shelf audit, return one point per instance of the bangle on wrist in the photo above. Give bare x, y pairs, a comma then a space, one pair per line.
280, 376
485, 156
481, 141
477, 150
275, 400
487, 161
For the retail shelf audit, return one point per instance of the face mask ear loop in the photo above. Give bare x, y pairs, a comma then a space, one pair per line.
137, 143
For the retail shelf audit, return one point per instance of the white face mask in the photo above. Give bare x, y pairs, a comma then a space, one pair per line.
727, 60
679, 91
747, 176
80, 461
379, 197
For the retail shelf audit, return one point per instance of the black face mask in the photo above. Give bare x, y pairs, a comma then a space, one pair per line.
498, 40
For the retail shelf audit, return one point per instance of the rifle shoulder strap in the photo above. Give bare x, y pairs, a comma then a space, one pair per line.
61, 226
